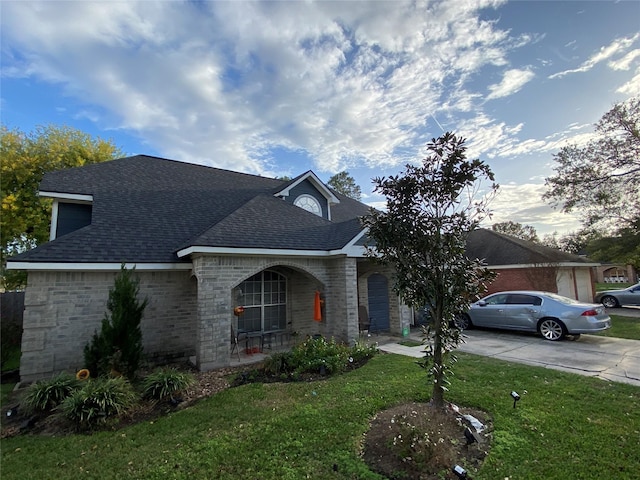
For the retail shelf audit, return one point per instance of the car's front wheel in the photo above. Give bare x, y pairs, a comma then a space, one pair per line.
551, 329
462, 321
609, 301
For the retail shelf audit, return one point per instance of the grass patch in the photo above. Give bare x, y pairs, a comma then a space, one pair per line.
623, 327
12, 358
601, 287
565, 426
5, 390
410, 343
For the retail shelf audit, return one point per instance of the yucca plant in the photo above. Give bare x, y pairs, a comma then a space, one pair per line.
45, 395
166, 382
98, 400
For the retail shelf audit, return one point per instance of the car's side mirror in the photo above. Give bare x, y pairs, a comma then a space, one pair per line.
482, 303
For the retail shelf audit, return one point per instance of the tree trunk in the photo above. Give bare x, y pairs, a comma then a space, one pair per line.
437, 396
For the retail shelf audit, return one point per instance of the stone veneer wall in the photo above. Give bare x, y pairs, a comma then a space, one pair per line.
64, 309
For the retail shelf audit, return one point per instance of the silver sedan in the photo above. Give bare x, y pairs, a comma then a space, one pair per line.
551, 315
617, 298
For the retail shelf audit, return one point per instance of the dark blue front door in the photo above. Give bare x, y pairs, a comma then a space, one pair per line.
378, 288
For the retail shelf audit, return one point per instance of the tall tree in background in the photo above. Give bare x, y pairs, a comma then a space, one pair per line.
25, 159
602, 179
430, 211
515, 229
623, 248
345, 184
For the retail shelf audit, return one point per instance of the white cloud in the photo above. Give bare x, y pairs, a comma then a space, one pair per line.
615, 47
512, 81
632, 87
625, 62
523, 204
226, 82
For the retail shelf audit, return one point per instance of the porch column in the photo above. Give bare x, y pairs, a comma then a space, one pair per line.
342, 299
213, 332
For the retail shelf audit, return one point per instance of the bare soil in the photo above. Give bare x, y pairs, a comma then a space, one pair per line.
419, 441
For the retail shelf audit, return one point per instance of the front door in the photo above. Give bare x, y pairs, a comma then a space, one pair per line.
378, 288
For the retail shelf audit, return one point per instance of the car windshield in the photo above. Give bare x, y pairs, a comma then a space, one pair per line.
561, 299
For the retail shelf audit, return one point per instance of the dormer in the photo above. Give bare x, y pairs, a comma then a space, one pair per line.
69, 212
309, 193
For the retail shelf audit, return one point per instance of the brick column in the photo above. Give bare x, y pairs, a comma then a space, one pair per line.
213, 331
342, 299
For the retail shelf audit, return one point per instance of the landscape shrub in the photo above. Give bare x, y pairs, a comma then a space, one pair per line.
278, 364
98, 400
362, 351
117, 349
317, 355
166, 382
45, 395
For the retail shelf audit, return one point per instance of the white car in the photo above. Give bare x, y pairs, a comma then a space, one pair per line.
549, 314
618, 298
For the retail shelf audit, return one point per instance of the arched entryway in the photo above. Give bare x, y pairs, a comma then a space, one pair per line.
378, 299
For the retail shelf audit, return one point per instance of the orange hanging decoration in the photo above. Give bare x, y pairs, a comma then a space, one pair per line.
317, 310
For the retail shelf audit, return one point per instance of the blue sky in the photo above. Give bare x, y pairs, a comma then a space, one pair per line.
278, 88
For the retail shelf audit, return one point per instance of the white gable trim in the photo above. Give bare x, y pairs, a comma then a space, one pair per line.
74, 197
321, 187
539, 265
91, 267
270, 252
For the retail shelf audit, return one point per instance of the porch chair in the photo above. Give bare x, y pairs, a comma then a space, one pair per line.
234, 342
364, 322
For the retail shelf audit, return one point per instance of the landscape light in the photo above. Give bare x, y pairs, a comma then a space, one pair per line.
460, 472
515, 397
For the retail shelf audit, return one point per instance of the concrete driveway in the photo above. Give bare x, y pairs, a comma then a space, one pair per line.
613, 359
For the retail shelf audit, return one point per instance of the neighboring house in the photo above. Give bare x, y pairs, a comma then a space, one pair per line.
204, 241
523, 265
616, 273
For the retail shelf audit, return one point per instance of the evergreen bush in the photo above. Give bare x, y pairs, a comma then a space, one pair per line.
117, 349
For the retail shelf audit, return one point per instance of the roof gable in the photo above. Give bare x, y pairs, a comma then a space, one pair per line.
315, 181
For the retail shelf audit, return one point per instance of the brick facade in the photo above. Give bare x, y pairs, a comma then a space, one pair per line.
190, 313
64, 309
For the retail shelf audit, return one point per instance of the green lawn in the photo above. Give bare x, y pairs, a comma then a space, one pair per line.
623, 327
600, 287
565, 426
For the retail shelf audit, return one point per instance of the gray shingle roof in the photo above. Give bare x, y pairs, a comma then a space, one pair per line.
498, 249
145, 209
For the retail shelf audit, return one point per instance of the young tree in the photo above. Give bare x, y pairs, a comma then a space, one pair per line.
515, 229
345, 184
430, 211
118, 346
25, 159
602, 179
